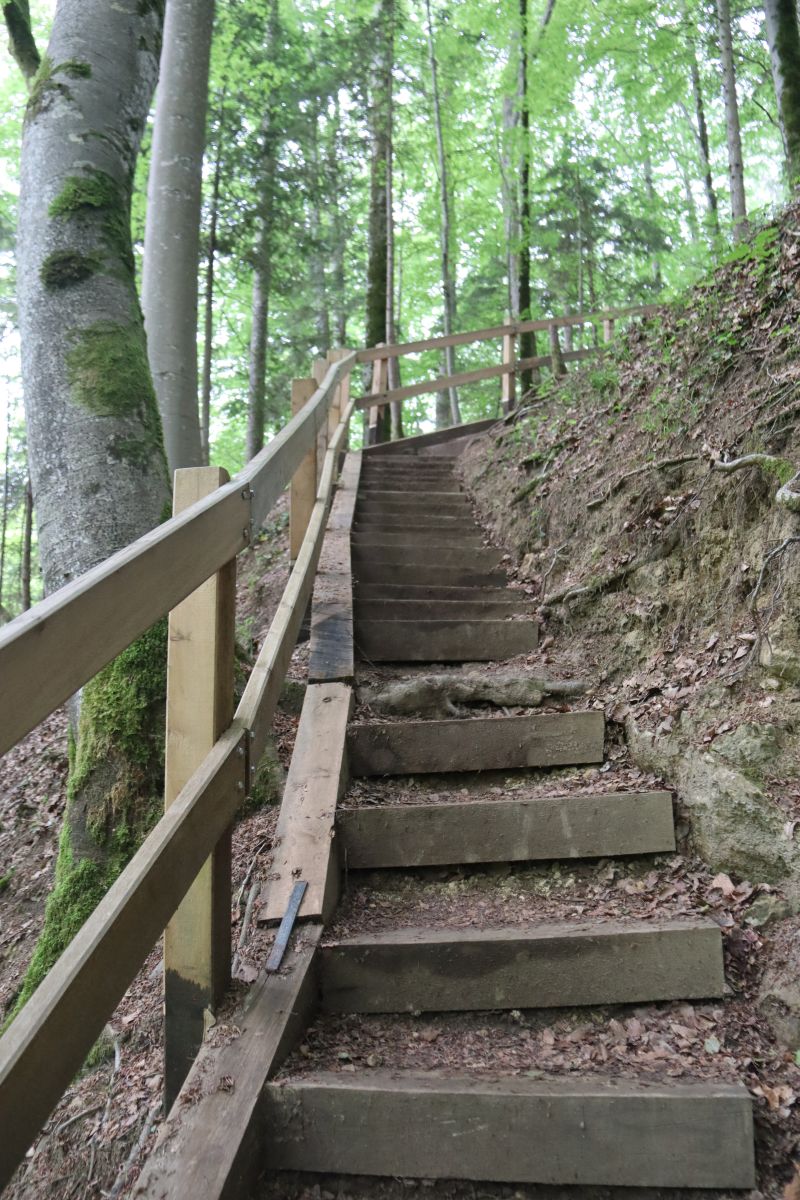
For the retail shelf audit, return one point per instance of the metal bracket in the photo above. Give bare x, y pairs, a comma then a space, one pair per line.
287, 924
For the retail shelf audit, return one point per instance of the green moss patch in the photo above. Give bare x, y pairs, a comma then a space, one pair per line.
98, 193
64, 268
46, 86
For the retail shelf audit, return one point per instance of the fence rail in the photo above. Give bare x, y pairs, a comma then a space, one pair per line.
47, 654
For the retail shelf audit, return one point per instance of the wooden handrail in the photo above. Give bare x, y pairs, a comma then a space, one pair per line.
49, 652
498, 331
52, 1035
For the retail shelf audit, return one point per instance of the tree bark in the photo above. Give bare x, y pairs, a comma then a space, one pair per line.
393, 364
783, 39
21, 43
172, 231
262, 264
380, 137
94, 436
208, 306
445, 235
735, 159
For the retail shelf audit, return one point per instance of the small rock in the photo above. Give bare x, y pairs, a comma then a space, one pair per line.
768, 908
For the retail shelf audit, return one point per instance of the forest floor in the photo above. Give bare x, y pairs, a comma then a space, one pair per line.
98, 1136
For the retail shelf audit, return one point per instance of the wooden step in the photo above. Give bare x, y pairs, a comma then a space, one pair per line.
548, 827
476, 744
469, 537
422, 575
366, 549
413, 504
552, 965
448, 640
611, 1132
395, 485
414, 524
420, 592
437, 610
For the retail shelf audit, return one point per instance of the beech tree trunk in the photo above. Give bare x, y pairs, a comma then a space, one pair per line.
735, 159
379, 116
445, 235
262, 264
17, 15
94, 435
783, 39
172, 231
393, 365
27, 540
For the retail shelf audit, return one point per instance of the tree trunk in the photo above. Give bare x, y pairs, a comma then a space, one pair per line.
208, 308
17, 14
510, 180
701, 132
379, 120
172, 231
94, 436
445, 235
27, 539
262, 265
393, 364
333, 157
318, 256
6, 503
784, 51
652, 200
735, 159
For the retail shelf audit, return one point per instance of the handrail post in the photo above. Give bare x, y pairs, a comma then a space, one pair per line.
608, 329
380, 383
319, 369
556, 359
508, 382
200, 661
303, 492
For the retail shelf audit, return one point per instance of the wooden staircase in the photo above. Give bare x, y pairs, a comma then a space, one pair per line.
426, 589
378, 815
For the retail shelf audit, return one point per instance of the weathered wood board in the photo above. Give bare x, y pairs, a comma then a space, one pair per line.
331, 652
549, 827
448, 640
390, 592
211, 1143
466, 537
367, 550
554, 1131
540, 966
476, 744
424, 575
436, 610
304, 835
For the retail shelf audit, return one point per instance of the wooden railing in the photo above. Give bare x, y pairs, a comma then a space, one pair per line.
48, 653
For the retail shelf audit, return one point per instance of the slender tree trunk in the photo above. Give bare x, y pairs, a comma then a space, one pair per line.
262, 264
318, 256
338, 235
784, 50
511, 221
691, 206
393, 370
208, 307
17, 15
27, 540
172, 232
527, 341
380, 132
445, 234
94, 436
652, 200
735, 159
701, 133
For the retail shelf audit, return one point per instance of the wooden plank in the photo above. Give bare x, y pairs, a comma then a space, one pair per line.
497, 331
304, 836
426, 443
365, 549
551, 965
303, 492
508, 391
416, 506
425, 576
595, 1130
476, 744
549, 827
332, 655
48, 1041
380, 398
437, 610
446, 525
405, 591
211, 1143
446, 640
197, 940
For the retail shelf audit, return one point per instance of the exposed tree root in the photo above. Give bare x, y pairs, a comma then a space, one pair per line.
531, 486
440, 695
618, 484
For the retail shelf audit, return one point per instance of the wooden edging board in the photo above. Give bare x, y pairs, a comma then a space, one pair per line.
412, 445
512, 830
331, 656
614, 1132
476, 744
445, 639
211, 1143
